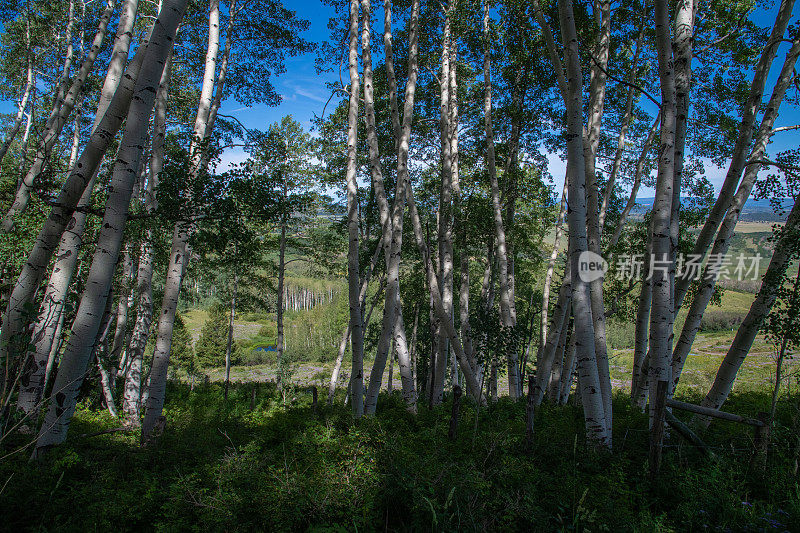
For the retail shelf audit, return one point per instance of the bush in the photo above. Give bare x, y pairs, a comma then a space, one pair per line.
620, 335
221, 467
719, 320
213, 342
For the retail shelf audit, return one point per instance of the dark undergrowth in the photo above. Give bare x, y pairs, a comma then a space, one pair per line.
223, 467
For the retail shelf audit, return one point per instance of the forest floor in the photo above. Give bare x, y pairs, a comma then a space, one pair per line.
259, 462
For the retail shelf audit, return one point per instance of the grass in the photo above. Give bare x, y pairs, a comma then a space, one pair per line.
222, 467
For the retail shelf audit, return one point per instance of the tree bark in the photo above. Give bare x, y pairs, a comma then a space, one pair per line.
661, 316
75, 359
356, 328
181, 252
544, 360
279, 311
144, 277
587, 364
722, 243
55, 123
23, 104
743, 142
230, 332
507, 309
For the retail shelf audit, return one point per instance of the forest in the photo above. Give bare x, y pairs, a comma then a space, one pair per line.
399, 265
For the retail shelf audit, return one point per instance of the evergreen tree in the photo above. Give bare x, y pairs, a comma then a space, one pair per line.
213, 339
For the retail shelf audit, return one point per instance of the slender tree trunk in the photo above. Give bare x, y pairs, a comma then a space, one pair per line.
394, 317
279, 311
623, 132
119, 57
47, 329
661, 317
544, 362
740, 149
337, 367
356, 329
181, 252
637, 181
760, 308
507, 311
444, 212
551, 265
75, 359
23, 104
569, 370
230, 332
597, 91
588, 376
556, 374
436, 297
722, 243
144, 277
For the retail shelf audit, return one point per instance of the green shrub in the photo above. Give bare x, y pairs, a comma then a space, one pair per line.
213, 342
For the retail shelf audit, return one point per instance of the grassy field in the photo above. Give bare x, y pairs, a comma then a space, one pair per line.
757, 373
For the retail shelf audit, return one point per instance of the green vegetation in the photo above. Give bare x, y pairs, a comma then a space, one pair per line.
222, 467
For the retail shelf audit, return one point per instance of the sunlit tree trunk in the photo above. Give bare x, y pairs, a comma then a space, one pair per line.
544, 363
75, 358
551, 265
394, 319
588, 376
740, 149
181, 252
144, 277
55, 123
661, 317
597, 92
722, 243
353, 282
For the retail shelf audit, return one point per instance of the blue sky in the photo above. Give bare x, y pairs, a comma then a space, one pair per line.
304, 92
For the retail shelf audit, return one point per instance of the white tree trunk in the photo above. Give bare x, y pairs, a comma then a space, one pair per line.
73, 364
722, 243
507, 309
55, 123
356, 327
661, 260
588, 377
743, 142
546, 356
144, 277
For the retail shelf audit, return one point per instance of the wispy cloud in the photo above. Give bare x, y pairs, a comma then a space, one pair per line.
310, 96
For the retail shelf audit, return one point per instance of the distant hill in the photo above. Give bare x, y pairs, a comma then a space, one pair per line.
754, 210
